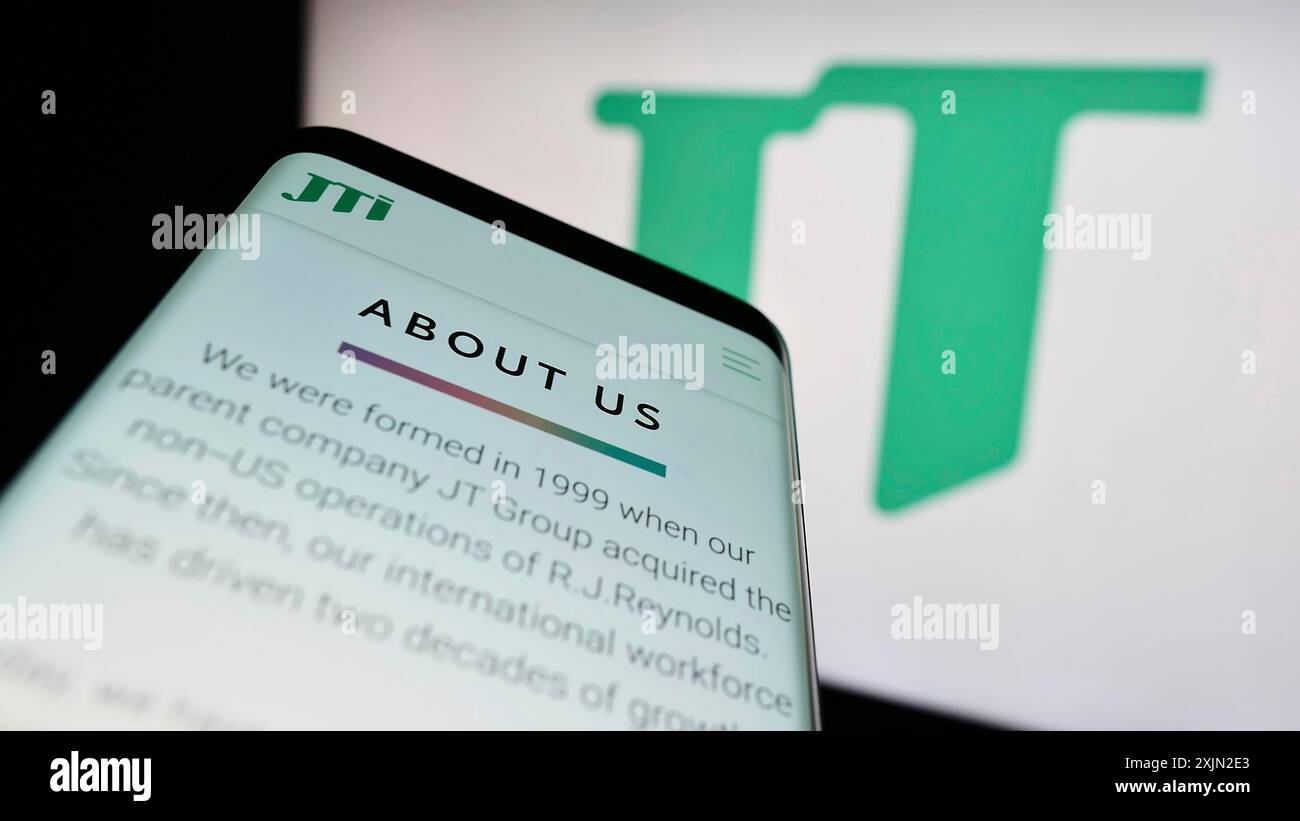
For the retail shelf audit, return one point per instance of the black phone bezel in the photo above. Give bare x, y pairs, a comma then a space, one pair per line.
482, 203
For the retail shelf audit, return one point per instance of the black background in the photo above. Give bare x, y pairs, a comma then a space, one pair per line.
157, 105
586, 775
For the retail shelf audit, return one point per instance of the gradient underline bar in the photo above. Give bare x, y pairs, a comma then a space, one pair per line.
509, 411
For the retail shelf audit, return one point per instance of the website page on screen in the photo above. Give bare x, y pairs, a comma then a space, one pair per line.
377, 463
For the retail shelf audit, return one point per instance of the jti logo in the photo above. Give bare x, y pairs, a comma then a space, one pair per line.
348, 197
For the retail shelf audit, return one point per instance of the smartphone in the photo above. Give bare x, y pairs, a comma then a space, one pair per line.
397, 452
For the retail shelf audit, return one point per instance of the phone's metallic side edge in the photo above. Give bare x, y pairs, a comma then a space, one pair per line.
796, 481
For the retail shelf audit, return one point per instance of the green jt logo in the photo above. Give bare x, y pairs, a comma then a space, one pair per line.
348, 197
972, 254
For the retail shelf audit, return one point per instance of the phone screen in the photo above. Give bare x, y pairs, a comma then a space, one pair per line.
378, 463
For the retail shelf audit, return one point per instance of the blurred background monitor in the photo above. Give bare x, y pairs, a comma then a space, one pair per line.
1094, 429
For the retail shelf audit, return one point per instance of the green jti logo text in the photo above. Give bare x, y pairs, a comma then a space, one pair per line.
348, 197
